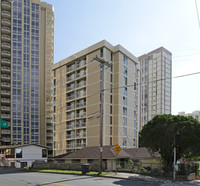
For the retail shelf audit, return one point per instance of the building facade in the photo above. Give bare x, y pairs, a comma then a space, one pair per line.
5, 67
195, 114
77, 83
156, 83
31, 78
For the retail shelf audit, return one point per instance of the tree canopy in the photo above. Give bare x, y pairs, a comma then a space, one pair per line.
158, 135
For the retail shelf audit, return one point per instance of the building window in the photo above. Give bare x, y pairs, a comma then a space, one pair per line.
44, 153
125, 59
111, 120
54, 82
111, 78
101, 52
125, 91
110, 109
110, 130
54, 73
124, 121
125, 71
111, 99
124, 111
18, 153
125, 81
124, 100
110, 140
124, 131
124, 143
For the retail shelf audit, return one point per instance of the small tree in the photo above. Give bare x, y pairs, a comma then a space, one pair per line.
158, 135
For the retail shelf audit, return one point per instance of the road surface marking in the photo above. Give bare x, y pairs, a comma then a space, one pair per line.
58, 184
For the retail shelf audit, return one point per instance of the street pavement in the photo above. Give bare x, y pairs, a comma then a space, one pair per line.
14, 177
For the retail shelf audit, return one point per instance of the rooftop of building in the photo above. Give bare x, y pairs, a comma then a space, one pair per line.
154, 51
18, 146
108, 153
93, 48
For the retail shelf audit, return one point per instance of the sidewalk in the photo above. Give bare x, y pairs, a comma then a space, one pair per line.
132, 176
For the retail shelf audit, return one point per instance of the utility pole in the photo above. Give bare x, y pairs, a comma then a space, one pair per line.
102, 65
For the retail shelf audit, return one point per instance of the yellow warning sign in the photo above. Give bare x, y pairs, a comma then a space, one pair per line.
117, 149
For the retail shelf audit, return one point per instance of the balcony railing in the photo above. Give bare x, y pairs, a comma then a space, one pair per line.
5, 77
5, 108
6, 13
81, 145
5, 92
5, 132
70, 78
70, 136
83, 124
5, 37
4, 84
5, 61
80, 74
81, 63
5, 139
6, 21
5, 100
70, 107
6, 116
80, 115
70, 97
70, 117
5, 69
6, 4
5, 53
70, 126
80, 94
70, 68
80, 105
80, 135
70, 88
70, 145
81, 84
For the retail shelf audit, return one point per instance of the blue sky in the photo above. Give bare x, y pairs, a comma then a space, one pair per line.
140, 27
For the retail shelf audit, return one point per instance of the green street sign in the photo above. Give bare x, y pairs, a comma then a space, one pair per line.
3, 124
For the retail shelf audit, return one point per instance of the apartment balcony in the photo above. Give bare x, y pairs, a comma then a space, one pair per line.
78, 95
71, 68
49, 127
81, 84
5, 53
5, 30
81, 145
83, 124
81, 63
70, 136
70, 88
5, 132
49, 134
70, 126
49, 141
6, 14
81, 115
5, 77
5, 45
5, 108
6, 5
80, 105
80, 75
6, 139
70, 117
6, 22
70, 107
49, 94
70, 97
5, 100
81, 135
5, 85
49, 115
49, 121
5, 37
5, 116
5, 69
49, 108
5, 61
70, 78
5, 92
70, 145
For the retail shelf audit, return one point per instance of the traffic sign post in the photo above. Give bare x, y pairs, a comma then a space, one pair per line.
117, 149
3, 124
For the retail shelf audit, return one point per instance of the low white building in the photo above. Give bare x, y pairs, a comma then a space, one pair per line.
20, 156
195, 114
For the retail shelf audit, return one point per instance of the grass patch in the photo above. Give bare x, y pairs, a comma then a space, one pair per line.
66, 172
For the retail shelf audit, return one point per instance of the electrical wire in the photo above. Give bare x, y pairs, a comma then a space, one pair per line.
197, 12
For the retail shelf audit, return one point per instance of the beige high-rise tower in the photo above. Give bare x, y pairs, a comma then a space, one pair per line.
30, 59
77, 84
5, 68
156, 83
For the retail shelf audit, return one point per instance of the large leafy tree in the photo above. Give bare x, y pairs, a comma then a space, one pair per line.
158, 135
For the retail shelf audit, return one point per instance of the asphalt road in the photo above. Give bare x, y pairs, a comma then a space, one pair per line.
12, 177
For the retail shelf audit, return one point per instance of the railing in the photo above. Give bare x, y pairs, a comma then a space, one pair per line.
70, 117
80, 84
70, 136
5, 68
70, 78
70, 97
70, 145
5, 108
6, 3
5, 52
71, 68
5, 115
70, 88
5, 76
5, 37
70, 107
80, 105
5, 132
5, 60
5, 84
81, 145
6, 21
80, 74
5, 100
81, 63
81, 115
83, 124
81, 135
80, 95
4, 12
70, 126
7, 92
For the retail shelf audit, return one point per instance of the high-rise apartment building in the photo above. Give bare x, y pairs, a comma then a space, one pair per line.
195, 114
77, 83
5, 68
30, 82
156, 83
